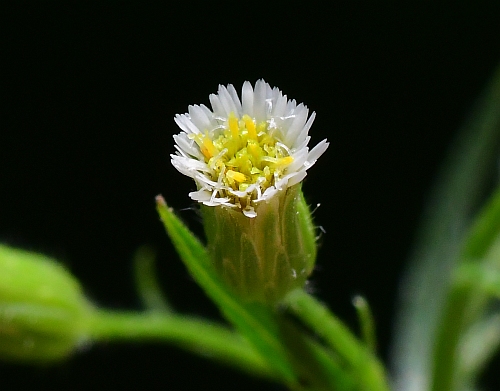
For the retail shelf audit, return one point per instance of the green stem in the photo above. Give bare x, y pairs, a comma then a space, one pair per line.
193, 334
368, 370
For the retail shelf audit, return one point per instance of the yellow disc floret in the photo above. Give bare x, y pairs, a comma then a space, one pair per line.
241, 154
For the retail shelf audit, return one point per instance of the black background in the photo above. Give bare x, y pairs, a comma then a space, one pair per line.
89, 94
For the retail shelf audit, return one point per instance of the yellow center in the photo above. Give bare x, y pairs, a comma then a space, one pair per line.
244, 153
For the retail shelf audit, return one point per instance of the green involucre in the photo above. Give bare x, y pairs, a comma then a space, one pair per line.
265, 257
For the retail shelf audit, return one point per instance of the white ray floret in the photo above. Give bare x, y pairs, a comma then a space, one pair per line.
242, 153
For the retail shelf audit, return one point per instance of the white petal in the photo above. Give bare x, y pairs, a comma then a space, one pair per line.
247, 98
299, 158
297, 177
201, 195
304, 144
207, 112
184, 122
269, 193
236, 99
218, 108
227, 100
199, 118
188, 166
291, 105
298, 122
187, 146
259, 101
279, 107
249, 212
305, 130
316, 152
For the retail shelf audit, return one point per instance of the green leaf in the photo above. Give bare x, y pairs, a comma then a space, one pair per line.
478, 346
480, 279
458, 191
145, 280
485, 230
366, 322
255, 322
365, 368
318, 368
476, 281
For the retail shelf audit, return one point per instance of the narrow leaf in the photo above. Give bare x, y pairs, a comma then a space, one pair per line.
253, 321
366, 322
364, 366
476, 280
458, 191
146, 282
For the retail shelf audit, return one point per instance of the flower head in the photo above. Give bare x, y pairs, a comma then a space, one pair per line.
243, 152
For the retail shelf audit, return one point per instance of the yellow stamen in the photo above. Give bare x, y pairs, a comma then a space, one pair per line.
249, 124
207, 148
254, 149
280, 162
236, 176
244, 153
262, 127
285, 161
233, 126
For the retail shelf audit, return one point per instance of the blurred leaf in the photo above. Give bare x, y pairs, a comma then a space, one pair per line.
43, 311
485, 230
365, 368
473, 283
366, 322
318, 368
476, 282
477, 347
457, 194
478, 278
146, 282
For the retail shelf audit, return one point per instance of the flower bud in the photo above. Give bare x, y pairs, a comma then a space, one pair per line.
43, 311
265, 257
